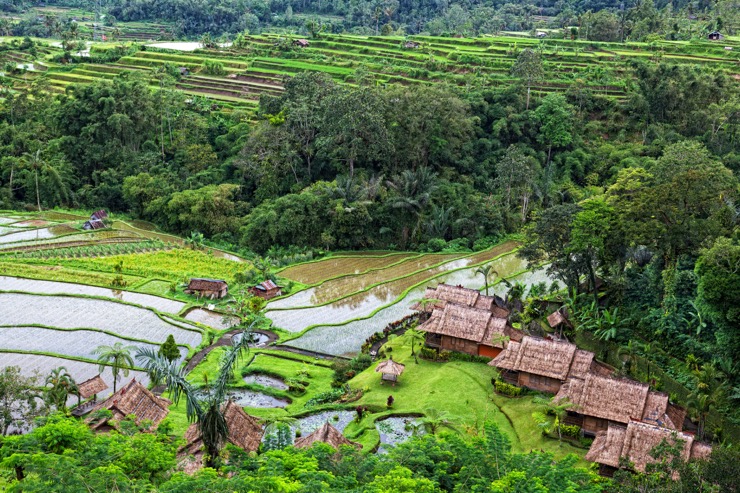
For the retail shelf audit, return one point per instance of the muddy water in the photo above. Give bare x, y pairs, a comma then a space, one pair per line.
265, 381
249, 398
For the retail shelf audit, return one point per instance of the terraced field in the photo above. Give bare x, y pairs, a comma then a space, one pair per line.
486, 61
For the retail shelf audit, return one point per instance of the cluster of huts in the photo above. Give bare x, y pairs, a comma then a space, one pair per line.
150, 410
625, 417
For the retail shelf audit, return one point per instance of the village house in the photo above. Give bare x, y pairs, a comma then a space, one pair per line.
463, 328
715, 36
266, 290
544, 364
599, 402
245, 432
207, 288
301, 43
445, 293
634, 443
411, 45
131, 399
96, 220
326, 434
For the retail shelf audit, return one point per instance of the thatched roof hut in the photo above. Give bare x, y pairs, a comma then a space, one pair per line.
636, 440
210, 288
245, 432
390, 370
470, 324
556, 318
132, 398
473, 298
91, 387
326, 434
549, 358
618, 400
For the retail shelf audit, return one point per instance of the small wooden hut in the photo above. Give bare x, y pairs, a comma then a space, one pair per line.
266, 290
558, 318
542, 364
715, 36
208, 288
390, 370
634, 442
411, 45
599, 402
326, 434
245, 432
301, 43
462, 328
133, 398
92, 387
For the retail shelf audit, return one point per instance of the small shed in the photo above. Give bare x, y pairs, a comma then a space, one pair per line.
99, 215
96, 220
183, 71
92, 387
209, 288
266, 290
715, 36
541, 34
390, 370
245, 432
326, 434
301, 43
133, 398
411, 45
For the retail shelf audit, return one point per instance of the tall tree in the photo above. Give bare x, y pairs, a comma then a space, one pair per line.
555, 117
528, 68
18, 399
60, 385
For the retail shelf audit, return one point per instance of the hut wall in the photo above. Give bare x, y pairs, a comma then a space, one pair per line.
459, 345
606, 471
511, 377
573, 418
539, 382
488, 351
591, 425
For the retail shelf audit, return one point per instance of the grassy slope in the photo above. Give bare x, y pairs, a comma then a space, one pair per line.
459, 388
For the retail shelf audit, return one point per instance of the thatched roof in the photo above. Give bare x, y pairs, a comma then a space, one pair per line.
199, 284
134, 398
90, 387
619, 400
326, 434
446, 293
267, 285
553, 359
581, 365
468, 323
556, 318
635, 443
244, 431
390, 367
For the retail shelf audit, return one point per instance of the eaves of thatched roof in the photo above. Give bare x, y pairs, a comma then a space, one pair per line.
134, 398
543, 357
390, 367
244, 431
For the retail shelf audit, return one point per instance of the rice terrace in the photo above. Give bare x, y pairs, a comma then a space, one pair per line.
369, 247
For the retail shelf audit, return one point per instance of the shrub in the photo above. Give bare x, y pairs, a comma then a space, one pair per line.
211, 67
470, 358
444, 356
428, 353
326, 397
573, 431
507, 389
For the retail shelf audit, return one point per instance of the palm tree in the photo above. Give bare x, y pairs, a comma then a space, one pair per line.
628, 355
204, 406
36, 163
118, 357
60, 386
435, 419
709, 392
485, 271
552, 413
414, 336
414, 189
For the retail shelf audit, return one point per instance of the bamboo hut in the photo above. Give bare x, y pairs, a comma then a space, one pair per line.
266, 290
131, 399
635, 441
326, 434
542, 364
92, 387
245, 432
390, 370
445, 293
600, 401
208, 288
466, 329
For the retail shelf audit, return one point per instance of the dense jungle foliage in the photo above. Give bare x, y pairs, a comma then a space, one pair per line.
604, 20
64, 456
